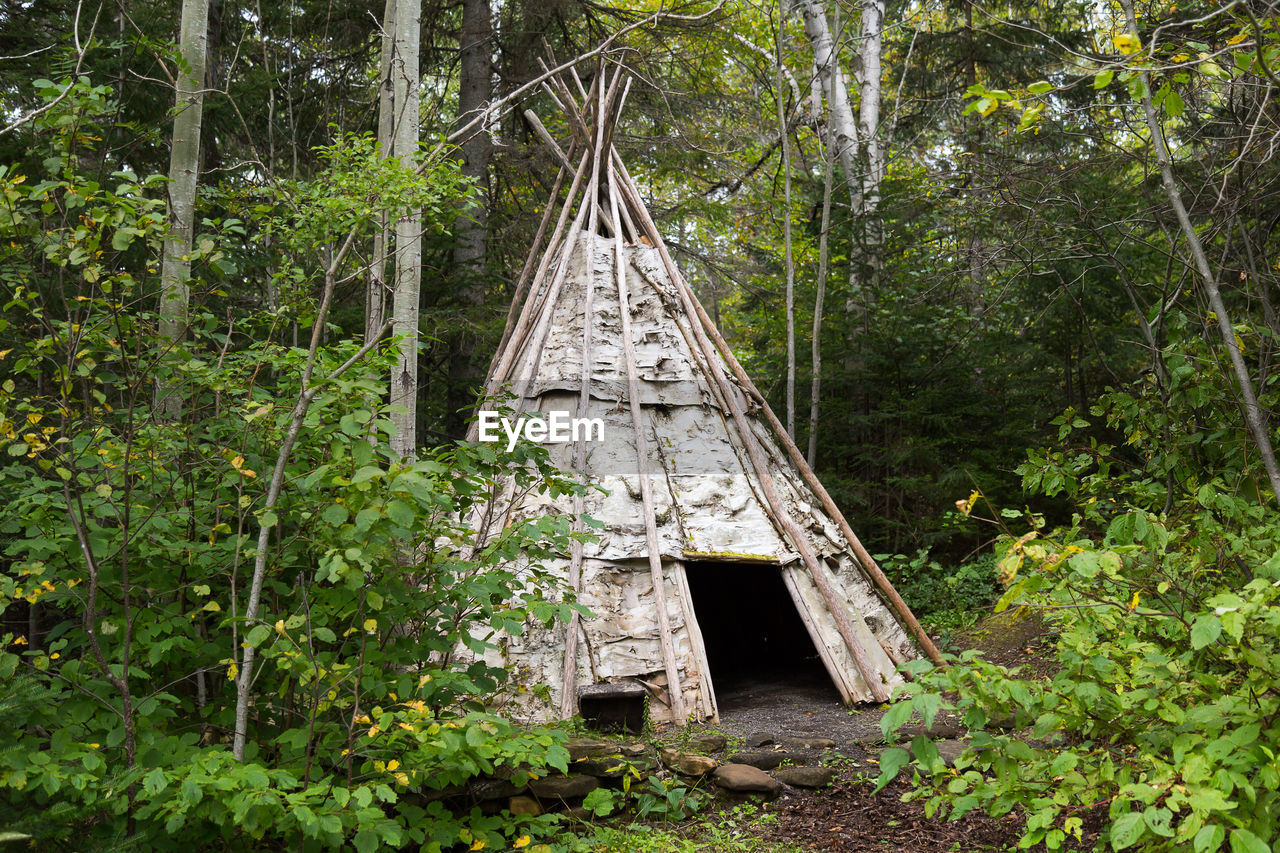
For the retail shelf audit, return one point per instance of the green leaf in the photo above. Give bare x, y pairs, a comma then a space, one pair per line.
1126, 830
257, 635
895, 717
891, 761
1210, 838
1244, 841
1103, 79
334, 514
1206, 630
1173, 103
1040, 87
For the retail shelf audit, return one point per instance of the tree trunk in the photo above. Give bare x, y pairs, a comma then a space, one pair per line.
844, 130
788, 260
872, 261
1248, 400
815, 390
474, 81
471, 228
408, 231
376, 294
184, 169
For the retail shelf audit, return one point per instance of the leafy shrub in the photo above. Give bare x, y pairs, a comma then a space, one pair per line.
1163, 718
130, 543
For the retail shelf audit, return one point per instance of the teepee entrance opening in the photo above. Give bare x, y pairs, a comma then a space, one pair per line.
754, 637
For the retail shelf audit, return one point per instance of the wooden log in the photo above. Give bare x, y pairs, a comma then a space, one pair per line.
674, 686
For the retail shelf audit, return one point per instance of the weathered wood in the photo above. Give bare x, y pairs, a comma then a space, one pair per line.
569, 674
674, 686
707, 692
779, 511
815, 634
866, 562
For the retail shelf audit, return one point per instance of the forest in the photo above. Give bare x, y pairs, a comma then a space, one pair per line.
1006, 273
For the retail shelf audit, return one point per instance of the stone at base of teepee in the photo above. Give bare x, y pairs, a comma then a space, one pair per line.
745, 779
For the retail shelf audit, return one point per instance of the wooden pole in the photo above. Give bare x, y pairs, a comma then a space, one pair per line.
569, 668
674, 687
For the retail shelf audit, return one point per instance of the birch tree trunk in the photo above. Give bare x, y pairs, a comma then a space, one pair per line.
869, 125
844, 131
1248, 399
408, 231
184, 170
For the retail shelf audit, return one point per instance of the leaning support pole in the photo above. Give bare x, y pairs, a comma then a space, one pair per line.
674, 688
569, 668
865, 559
817, 571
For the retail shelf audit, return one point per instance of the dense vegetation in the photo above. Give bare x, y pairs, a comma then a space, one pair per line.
232, 581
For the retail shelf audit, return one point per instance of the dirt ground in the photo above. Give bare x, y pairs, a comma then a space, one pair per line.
846, 817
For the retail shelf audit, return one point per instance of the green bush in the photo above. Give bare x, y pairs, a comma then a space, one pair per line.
1162, 719
130, 540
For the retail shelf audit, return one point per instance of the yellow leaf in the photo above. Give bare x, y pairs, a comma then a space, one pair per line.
213, 607
1236, 39
393, 764
1126, 43
237, 462
522, 841
371, 625
280, 627
478, 845
1133, 604
232, 671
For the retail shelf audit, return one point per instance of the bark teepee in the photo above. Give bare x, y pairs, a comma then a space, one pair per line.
698, 479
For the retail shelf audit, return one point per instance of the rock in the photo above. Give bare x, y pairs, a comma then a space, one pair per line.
585, 747
688, 763
758, 739
949, 750
708, 743
495, 789
524, 806
633, 750
807, 742
603, 768
578, 813
563, 787
805, 777
746, 779
764, 759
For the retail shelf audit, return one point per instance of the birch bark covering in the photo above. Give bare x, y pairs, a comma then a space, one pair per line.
184, 169
408, 231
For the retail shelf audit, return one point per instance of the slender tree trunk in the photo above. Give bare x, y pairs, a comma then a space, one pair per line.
376, 294
815, 391
788, 259
471, 228
408, 231
474, 81
1248, 399
184, 169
